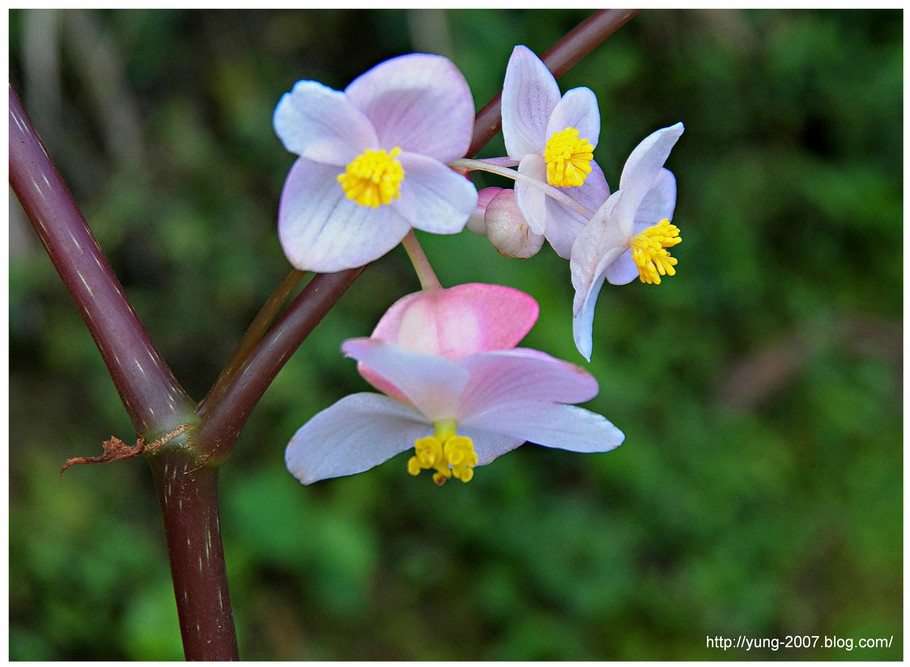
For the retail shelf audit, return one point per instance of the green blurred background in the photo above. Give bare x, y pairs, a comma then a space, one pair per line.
759, 489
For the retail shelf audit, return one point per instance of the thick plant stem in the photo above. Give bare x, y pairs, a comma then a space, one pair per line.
151, 395
569, 50
188, 495
154, 400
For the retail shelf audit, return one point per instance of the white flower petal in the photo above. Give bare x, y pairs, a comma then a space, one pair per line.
319, 123
659, 203
622, 271
321, 230
529, 95
643, 168
578, 109
418, 102
353, 435
531, 200
550, 425
433, 197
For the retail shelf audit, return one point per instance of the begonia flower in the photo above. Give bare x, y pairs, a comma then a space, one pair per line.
629, 235
373, 160
456, 389
553, 138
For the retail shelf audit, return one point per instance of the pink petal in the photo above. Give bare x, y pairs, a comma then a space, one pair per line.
522, 374
550, 425
320, 229
418, 102
432, 384
459, 320
529, 95
353, 435
434, 198
321, 124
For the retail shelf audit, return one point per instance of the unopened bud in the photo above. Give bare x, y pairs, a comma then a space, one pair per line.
507, 228
476, 223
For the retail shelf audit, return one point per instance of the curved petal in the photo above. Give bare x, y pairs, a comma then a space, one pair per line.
419, 102
577, 108
659, 203
433, 384
459, 320
529, 95
319, 123
598, 245
550, 425
531, 200
508, 376
320, 229
643, 168
622, 271
488, 445
433, 198
355, 434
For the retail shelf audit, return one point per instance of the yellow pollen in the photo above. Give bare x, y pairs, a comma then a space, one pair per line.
649, 251
568, 158
450, 455
373, 178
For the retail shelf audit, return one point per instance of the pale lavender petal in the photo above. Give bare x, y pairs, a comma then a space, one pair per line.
643, 168
623, 271
578, 109
531, 200
433, 384
433, 198
598, 245
550, 425
529, 96
418, 102
321, 230
321, 124
563, 224
508, 376
489, 445
659, 203
353, 435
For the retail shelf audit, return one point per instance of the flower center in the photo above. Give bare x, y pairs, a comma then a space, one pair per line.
568, 158
450, 455
650, 254
373, 178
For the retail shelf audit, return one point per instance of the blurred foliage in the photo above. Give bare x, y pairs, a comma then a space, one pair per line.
759, 489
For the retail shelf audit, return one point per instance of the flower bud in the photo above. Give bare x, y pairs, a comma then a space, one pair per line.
507, 228
476, 223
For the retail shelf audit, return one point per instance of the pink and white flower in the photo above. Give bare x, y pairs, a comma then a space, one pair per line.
373, 160
459, 405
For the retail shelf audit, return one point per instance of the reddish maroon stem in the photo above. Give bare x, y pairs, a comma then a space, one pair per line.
153, 399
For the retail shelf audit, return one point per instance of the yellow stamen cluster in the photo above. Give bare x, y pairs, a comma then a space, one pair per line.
373, 178
450, 455
650, 254
568, 158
